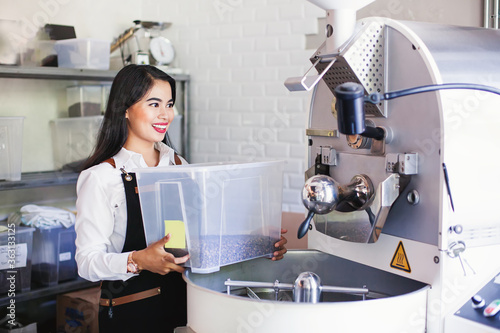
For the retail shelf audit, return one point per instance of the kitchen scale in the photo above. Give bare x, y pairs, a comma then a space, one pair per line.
149, 46
161, 50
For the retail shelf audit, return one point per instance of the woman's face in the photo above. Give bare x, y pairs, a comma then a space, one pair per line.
149, 118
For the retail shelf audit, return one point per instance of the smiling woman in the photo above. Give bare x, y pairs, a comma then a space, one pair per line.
137, 281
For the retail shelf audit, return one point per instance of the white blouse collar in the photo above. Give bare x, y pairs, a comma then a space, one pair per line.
131, 159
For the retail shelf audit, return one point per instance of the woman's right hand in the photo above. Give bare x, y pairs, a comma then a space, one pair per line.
155, 259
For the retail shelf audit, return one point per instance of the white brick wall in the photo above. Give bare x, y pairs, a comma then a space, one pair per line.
239, 53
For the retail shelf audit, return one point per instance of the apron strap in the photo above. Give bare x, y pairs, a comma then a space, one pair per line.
111, 161
177, 159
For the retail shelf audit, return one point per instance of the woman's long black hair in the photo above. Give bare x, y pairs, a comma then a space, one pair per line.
130, 85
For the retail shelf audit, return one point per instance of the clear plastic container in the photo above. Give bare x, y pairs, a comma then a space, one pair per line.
54, 255
83, 53
20, 243
84, 101
9, 42
220, 213
73, 139
38, 53
11, 147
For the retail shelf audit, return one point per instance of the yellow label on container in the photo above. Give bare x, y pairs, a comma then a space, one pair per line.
177, 233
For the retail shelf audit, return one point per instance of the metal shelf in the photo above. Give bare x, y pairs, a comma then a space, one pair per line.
58, 73
38, 292
40, 179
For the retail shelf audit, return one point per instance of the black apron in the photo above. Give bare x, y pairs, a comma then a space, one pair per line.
163, 312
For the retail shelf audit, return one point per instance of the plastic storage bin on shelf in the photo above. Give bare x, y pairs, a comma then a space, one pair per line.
9, 50
84, 100
11, 147
18, 241
74, 138
38, 53
221, 213
54, 258
83, 53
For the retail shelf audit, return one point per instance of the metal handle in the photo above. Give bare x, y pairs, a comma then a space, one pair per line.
307, 82
304, 227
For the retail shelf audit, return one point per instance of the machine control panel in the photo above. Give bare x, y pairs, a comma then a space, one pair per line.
484, 306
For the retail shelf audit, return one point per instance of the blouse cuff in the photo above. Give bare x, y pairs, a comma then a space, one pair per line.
121, 264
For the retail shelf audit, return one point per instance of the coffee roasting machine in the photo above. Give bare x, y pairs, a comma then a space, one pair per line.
401, 192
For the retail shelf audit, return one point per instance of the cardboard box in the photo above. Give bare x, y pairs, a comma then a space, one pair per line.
78, 311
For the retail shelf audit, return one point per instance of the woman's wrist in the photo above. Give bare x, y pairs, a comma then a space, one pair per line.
132, 265
135, 254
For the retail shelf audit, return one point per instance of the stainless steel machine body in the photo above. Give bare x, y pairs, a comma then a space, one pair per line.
449, 237
431, 238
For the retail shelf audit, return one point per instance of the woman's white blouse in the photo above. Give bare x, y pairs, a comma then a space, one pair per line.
101, 219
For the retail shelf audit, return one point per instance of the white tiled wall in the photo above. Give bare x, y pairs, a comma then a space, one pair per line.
239, 53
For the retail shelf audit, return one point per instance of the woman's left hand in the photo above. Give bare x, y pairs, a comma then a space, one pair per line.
280, 245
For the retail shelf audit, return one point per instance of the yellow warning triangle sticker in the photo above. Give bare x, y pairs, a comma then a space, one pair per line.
400, 260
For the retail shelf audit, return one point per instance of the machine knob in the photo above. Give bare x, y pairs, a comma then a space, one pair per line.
458, 229
477, 302
320, 196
